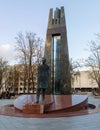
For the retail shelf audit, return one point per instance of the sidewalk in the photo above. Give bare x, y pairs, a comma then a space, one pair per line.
85, 122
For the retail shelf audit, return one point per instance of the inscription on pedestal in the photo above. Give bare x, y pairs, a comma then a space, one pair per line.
33, 108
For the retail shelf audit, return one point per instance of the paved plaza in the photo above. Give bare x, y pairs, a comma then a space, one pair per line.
84, 122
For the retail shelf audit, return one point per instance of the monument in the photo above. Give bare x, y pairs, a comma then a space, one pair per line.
56, 52
60, 102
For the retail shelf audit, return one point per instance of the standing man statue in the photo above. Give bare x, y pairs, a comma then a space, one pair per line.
42, 80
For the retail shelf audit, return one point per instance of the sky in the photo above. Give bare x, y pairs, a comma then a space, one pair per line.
82, 22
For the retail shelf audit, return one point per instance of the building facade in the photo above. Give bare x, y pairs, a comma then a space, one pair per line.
83, 82
15, 80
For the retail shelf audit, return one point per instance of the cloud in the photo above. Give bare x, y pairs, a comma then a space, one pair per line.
7, 52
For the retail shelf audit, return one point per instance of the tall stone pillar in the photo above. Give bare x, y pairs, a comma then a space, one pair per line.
56, 52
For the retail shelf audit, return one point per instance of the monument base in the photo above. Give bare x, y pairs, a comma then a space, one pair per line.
54, 106
33, 108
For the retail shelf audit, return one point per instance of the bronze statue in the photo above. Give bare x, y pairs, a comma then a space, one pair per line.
42, 78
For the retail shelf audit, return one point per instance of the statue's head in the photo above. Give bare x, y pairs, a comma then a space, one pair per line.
43, 59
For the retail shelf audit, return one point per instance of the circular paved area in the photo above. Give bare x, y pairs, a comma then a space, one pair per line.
86, 122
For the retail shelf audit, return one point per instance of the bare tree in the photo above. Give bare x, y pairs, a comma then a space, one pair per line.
3, 66
74, 69
93, 61
30, 50
74, 66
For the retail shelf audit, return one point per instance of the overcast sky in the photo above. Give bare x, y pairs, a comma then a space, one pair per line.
82, 20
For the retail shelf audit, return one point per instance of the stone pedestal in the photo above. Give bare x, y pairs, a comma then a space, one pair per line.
33, 108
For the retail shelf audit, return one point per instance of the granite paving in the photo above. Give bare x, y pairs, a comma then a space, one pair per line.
84, 122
